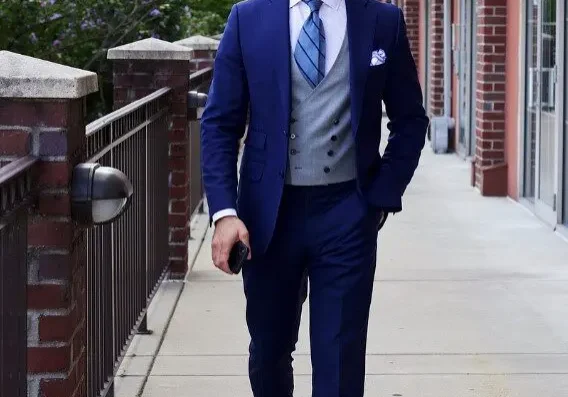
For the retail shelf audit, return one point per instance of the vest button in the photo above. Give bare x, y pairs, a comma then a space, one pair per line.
293, 136
292, 120
336, 121
330, 153
327, 170
334, 138
293, 152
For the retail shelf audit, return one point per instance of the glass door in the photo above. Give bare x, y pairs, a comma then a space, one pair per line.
541, 165
466, 73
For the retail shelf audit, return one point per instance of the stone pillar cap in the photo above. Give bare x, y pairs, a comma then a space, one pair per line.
199, 43
151, 49
26, 77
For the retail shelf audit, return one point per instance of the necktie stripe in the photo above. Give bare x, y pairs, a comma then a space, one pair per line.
310, 60
310, 48
313, 42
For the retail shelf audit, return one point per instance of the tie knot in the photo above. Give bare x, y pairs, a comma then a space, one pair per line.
314, 5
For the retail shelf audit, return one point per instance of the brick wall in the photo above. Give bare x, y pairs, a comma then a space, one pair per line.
201, 59
490, 167
55, 130
436, 83
411, 9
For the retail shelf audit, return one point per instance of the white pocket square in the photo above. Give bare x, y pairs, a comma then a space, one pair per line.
378, 58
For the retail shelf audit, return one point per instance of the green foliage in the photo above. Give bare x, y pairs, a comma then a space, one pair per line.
79, 32
208, 17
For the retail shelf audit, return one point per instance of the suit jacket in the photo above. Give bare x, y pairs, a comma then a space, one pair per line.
253, 71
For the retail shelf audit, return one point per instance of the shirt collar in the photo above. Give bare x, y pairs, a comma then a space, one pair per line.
330, 3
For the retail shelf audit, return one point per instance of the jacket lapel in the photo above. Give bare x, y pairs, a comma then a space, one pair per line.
361, 26
279, 17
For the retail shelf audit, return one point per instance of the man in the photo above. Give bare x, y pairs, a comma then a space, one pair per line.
314, 190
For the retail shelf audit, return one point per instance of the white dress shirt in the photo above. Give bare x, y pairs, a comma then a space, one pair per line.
333, 14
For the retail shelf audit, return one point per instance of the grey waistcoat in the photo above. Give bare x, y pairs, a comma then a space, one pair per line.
321, 149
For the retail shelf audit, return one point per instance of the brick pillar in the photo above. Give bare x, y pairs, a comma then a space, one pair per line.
436, 34
490, 169
203, 51
141, 68
411, 9
42, 112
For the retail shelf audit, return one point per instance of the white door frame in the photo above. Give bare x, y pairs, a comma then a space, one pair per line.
548, 214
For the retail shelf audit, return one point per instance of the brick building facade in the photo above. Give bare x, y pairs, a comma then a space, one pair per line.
508, 93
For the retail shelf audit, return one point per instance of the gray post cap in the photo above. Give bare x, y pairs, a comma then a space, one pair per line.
199, 43
26, 77
151, 49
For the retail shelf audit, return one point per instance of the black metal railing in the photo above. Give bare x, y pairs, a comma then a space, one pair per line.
127, 259
16, 181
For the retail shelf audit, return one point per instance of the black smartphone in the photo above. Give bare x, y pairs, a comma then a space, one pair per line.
238, 256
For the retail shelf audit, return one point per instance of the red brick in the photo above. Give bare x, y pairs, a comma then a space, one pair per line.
33, 113
54, 174
178, 192
178, 235
178, 266
178, 220
174, 81
14, 142
55, 328
48, 296
48, 233
178, 149
179, 178
48, 359
177, 163
178, 207
178, 251
54, 204
177, 135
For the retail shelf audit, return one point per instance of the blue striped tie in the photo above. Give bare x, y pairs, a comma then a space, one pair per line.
310, 49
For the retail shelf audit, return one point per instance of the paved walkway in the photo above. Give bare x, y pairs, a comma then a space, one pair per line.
471, 300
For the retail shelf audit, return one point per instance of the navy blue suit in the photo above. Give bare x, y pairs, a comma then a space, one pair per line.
325, 234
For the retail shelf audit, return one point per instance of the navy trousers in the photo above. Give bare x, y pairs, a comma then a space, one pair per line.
326, 236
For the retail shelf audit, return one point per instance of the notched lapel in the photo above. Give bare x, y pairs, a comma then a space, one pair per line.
361, 27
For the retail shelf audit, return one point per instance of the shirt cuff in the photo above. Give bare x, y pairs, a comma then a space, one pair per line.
223, 214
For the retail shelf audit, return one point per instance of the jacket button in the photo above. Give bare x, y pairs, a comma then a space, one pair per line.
334, 138
330, 153
327, 170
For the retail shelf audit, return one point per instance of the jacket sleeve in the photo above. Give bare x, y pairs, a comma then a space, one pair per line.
224, 119
407, 126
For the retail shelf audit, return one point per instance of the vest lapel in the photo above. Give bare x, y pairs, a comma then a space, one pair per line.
279, 15
361, 26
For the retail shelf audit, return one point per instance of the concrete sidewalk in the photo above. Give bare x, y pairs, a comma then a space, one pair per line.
471, 299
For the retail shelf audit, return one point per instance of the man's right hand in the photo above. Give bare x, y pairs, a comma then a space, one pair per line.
228, 231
